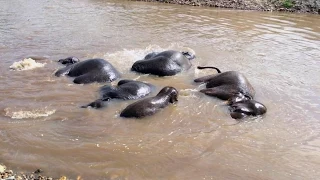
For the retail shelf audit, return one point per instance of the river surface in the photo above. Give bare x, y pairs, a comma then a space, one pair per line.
42, 126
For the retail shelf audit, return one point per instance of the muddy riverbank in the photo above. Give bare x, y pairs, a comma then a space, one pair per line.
7, 174
298, 6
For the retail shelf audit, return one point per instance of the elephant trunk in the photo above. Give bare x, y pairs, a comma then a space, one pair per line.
209, 67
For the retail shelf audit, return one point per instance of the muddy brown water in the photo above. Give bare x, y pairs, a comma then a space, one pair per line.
42, 126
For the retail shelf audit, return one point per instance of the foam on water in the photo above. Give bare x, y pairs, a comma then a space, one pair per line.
188, 92
26, 64
25, 114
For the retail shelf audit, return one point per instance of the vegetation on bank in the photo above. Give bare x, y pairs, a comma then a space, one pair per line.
304, 6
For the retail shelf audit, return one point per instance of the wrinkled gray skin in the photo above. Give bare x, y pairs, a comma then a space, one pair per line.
234, 87
152, 105
126, 90
88, 71
166, 63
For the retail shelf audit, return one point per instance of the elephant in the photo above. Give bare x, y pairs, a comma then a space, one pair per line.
125, 90
244, 108
226, 85
88, 71
152, 105
166, 63
234, 87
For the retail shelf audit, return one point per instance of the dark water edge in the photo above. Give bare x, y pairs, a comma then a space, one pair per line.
297, 6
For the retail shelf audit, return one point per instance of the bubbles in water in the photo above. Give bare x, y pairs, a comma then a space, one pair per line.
26, 64
24, 114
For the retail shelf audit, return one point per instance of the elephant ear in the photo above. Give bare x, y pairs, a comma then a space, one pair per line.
173, 97
259, 108
124, 81
238, 97
150, 55
237, 115
189, 55
106, 99
63, 71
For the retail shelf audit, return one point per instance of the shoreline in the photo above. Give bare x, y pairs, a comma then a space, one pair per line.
294, 6
8, 174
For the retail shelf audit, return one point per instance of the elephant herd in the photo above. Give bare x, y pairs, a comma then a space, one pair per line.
231, 85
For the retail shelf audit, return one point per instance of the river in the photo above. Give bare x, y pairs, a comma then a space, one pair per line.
42, 126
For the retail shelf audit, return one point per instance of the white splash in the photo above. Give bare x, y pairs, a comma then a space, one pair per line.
188, 92
124, 59
26, 64
36, 113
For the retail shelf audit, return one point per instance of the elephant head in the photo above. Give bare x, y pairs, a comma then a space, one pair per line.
69, 60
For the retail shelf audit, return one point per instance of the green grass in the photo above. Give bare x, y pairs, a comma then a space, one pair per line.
287, 3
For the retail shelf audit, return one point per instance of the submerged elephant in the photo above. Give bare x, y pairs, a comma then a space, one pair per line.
246, 107
152, 105
226, 85
166, 63
126, 90
88, 71
235, 87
